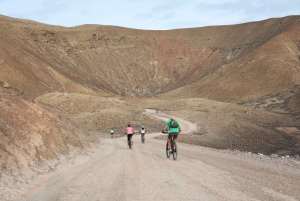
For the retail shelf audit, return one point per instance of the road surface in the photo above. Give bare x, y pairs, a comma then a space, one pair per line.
115, 172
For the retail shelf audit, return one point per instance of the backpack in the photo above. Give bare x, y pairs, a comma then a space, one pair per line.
173, 124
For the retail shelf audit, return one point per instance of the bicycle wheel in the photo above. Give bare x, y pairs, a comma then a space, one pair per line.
167, 151
130, 144
174, 150
143, 138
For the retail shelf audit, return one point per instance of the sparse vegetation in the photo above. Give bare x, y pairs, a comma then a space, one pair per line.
65, 87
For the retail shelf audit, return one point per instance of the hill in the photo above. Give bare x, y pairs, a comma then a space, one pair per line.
223, 63
66, 87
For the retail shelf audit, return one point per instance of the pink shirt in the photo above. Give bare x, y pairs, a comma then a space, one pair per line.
129, 130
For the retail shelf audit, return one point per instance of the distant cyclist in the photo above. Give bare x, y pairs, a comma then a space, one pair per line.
112, 132
129, 131
174, 129
143, 132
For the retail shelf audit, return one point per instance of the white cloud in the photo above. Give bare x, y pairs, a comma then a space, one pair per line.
148, 14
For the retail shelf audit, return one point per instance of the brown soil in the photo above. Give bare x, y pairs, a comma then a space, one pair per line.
62, 89
231, 126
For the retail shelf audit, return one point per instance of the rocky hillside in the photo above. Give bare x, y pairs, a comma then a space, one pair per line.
224, 63
63, 88
32, 132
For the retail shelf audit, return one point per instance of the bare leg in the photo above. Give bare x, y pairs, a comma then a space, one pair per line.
175, 140
169, 144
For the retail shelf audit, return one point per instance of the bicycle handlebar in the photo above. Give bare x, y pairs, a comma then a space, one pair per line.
168, 132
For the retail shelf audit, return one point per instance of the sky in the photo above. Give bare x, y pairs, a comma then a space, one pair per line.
148, 14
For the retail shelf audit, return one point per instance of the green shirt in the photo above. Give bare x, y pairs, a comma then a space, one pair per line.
173, 130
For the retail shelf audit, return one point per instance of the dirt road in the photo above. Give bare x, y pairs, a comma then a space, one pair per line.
114, 172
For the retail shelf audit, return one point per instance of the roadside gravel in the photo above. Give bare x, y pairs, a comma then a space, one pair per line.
114, 172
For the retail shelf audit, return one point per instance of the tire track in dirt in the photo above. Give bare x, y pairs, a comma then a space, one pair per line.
115, 172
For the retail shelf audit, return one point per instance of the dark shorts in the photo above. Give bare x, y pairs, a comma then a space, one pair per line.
171, 134
129, 136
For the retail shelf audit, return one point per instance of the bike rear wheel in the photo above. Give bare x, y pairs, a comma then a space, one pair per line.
167, 151
174, 150
130, 144
143, 138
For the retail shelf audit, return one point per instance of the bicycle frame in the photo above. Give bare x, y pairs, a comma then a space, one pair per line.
174, 148
143, 138
130, 143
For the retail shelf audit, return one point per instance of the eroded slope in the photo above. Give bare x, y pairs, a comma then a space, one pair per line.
225, 63
32, 133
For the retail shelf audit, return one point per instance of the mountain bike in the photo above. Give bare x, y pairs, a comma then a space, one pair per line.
143, 137
174, 148
130, 142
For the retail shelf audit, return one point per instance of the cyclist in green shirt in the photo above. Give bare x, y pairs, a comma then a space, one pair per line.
174, 129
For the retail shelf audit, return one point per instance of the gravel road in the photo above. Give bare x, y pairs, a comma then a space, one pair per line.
115, 172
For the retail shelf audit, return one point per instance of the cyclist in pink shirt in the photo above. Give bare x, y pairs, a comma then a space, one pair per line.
129, 131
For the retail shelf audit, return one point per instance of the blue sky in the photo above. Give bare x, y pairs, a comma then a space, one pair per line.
148, 14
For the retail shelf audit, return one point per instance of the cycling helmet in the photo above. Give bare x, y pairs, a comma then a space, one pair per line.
142, 126
128, 125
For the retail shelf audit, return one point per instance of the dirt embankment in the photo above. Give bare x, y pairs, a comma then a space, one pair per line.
32, 133
231, 126
114, 170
